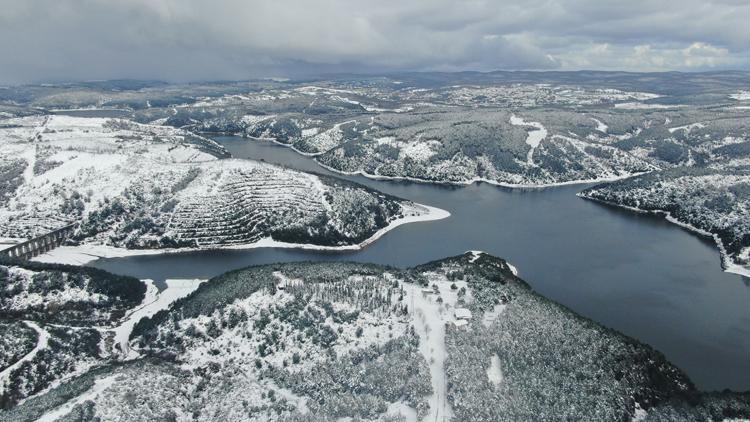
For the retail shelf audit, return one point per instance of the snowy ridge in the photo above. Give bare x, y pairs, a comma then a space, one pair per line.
609, 178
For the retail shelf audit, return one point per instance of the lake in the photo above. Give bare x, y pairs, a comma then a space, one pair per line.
633, 272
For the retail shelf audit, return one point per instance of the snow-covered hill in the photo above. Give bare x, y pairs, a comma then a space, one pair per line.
458, 339
517, 134
57, 322
152, 187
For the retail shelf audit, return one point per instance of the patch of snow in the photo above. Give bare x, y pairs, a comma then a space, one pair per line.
306, 133
83, 254
328, 139
490, 316
408, 413
494, 372
475, 255
640, 414
417, 149
462, 313
687, 128
512, 268
643, 106
741, 96
533, 138
429, 318
600, 126
251, 119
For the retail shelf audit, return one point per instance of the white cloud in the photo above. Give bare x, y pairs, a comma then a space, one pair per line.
210, 39
647, 57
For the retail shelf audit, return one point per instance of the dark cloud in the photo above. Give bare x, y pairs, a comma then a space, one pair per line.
233, 39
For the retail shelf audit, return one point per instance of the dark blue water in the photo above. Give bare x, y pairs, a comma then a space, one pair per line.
636, 273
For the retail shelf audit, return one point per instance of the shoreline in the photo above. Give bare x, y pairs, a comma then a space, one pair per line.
468, 182
727, 263
84, 254
482, 179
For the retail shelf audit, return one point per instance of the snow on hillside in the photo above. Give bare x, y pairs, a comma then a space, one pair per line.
351, 341
741, 96
32, 292
464, 132
72, 165
63, 296
60, 317
534, 137
152, 187
154, 302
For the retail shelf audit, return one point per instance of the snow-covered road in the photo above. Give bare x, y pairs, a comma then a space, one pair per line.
41, 343
429, 318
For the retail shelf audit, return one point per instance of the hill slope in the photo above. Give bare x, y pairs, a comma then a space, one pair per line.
152, 187
461, 338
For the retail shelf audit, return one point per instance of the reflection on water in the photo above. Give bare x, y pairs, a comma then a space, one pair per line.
633, 272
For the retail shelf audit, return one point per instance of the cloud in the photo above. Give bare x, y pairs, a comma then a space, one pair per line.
234, 39
647, 57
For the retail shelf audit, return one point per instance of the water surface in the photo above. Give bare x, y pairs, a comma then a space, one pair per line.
635, 273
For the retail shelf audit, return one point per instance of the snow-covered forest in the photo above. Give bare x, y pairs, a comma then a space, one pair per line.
462, 337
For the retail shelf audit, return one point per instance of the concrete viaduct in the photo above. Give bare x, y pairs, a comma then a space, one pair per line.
40, 244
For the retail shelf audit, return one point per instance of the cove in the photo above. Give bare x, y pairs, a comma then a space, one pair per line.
636, 273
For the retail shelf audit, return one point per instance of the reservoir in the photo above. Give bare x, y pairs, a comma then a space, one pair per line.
636, 273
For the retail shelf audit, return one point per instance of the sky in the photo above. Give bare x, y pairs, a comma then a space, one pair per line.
193, 40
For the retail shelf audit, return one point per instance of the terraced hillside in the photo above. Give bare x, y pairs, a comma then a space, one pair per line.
145, 187
461, 339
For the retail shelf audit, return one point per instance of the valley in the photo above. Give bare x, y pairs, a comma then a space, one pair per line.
179, 188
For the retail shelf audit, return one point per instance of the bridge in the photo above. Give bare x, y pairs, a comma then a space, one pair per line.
40, 244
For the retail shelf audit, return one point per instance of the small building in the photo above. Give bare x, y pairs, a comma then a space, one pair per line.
461, 323
462, 314
427, 291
